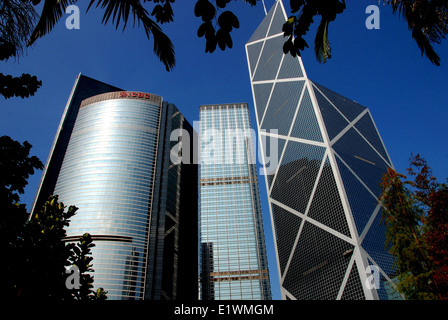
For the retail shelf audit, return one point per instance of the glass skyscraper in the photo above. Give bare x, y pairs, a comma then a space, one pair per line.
233, 254
323, 182
113, 163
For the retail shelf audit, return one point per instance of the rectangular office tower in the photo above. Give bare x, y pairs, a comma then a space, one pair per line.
324, 160
233, 254
111, 159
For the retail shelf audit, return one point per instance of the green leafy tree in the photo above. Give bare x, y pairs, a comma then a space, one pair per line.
416, 217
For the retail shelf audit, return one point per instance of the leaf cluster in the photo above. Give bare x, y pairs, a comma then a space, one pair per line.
24, 86
297, 26
217, 34
163, 11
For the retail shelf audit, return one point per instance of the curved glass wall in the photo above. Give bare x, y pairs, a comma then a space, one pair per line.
108, 173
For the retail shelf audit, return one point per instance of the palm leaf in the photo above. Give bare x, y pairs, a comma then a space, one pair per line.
119, 11
426, 24
122, 8
322, 47
52, 11
17, 20
163, 47
425, 46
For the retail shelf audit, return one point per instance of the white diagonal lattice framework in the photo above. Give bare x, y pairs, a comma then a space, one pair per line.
323, 189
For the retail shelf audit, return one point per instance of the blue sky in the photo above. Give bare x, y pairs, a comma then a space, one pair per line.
381, 69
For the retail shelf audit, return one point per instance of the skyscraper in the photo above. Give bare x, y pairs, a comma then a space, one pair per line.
233, 254
111, 159
323, 184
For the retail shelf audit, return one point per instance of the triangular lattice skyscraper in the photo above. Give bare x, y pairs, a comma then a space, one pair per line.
323, 189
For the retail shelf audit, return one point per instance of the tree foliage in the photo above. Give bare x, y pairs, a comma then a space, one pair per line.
82, 259
297, 26
17, 19
216, 23
426, 19
120, 11
416, 215
44, 253
42, 257
23, 86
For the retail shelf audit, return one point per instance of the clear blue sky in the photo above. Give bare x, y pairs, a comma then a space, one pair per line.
381, 69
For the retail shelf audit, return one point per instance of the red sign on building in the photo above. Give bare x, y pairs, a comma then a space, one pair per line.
134, 94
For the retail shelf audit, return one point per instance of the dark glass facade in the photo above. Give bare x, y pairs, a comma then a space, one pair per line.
116, 169
323, 191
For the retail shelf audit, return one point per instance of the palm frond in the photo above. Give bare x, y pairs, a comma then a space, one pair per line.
425, 46
163, 47
120, 10
52, 11
322, 47
427, 22
17, 20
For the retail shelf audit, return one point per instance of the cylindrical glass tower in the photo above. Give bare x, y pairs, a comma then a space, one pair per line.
108, 173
